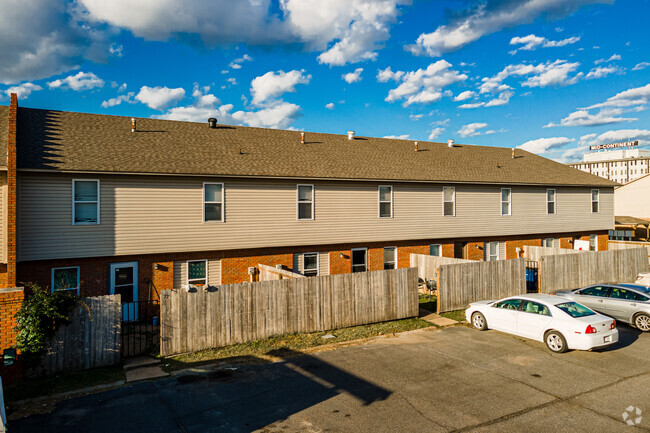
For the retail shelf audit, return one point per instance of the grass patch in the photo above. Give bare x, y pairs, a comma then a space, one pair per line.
288, 345
428, 302
32, 388
458, 315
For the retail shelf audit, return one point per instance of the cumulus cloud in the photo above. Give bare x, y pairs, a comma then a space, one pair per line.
78, 82
640, 66
23, 90
119, 99
540, 75
585, 118
436, 132
353, 77
467, 94
158, 97
613, 58
627, 98
385, 75
615, 136
543, 145
398, 137
602, 71
329, 106
502, 99
273, 84
424, 85
487, 18
532, 42
279, 114
471, 129
472, 105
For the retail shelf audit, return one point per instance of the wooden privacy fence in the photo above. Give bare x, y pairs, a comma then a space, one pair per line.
91, 339
572, 271
533, 253
268, 273
463, 283
626, 245
428, 265
237, 313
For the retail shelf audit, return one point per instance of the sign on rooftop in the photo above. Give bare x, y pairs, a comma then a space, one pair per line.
614, 145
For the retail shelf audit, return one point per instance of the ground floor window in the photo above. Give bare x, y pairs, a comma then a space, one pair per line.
65, 278
359, 256
491, 251
548, 243
390, 259
310, 264
435, 250
197, 272
593, 243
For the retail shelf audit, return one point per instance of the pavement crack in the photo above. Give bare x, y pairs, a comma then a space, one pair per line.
422, 414
171, 409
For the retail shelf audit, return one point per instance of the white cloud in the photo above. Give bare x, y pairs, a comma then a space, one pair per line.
436, 132
158, 97
277, 115
627, 98
472, 105
471, 129
232, 81
116, 50
532, 42
640, 66
78, 82
540, 75
23, 90
383, 76
467, 94
614, 57
415, 117
272, 84
584, 118
234, 66
487, 18
502, 99
353, 77
602, 71
615, 136
119, 99
543, 145
425, 85
398, 137
329, 106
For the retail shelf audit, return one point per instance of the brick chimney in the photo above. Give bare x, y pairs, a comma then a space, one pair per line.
8, 277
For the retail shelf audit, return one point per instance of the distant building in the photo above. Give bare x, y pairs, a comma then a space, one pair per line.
620, 165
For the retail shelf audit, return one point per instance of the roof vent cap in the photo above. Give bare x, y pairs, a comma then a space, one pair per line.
450, 143
133, 124
212, 122
350, 135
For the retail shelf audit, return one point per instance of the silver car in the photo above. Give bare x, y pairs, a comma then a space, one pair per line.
628, 303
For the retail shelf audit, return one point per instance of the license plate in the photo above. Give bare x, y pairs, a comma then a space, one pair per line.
607, 339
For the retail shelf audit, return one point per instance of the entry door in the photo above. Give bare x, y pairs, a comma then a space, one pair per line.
124, 281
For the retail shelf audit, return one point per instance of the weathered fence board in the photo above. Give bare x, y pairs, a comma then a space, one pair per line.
463, 283
268, 273
534, 253
428, 265
625, 245
566, 272
236, 313
91, 339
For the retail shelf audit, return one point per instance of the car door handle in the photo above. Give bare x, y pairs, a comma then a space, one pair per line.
600, 300
633, 305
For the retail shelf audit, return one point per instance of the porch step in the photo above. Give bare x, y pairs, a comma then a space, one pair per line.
140, 362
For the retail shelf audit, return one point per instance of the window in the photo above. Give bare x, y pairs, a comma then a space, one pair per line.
510, 304
385, 201
435, 250
574, 309
65, 278
213, 202
85, 202
595, 201
305, 202
550, 201
623, 294
548, 242
491, 251
310, 264
536, 308
359, 259
505, 201
390, 261
593, 243
599, 291
197, 272
449, 201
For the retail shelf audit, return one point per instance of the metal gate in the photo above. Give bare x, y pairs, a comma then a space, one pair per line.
532, 277
141, 328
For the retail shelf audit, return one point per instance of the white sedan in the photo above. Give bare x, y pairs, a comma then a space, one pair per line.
559, 322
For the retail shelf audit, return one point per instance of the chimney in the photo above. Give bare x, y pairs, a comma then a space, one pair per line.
133, 124
350, 135
416, 146
450, 143
302, 138
212, 122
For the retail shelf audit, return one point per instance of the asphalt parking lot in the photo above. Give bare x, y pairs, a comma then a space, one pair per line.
454, 379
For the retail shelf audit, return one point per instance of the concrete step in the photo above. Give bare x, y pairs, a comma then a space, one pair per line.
139, 362
144, 373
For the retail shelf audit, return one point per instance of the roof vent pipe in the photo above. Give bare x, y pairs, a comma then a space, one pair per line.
302, 138
450, 143
133, 124
212, 122
416, 146
350, 135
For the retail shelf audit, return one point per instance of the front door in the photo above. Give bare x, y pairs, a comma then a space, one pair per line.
124, 281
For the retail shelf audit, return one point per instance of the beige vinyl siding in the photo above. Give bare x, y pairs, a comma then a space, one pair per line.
502, 250
147, 214
180, 273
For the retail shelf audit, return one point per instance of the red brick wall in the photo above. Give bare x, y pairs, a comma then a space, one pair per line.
10, 302
235, 269
475, 251
511, 247
338, 264
8, 272
404, 254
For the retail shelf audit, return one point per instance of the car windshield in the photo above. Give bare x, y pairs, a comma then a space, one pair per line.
574, 309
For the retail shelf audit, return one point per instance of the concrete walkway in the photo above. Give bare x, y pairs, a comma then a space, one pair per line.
436, 319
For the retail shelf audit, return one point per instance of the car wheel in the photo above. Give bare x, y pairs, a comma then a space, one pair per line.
642, 322
555, 342
479, 322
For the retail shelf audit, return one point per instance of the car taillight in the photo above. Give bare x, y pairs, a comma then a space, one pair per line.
613, 325
590, 330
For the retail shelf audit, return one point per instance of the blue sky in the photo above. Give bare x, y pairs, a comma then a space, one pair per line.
551, 76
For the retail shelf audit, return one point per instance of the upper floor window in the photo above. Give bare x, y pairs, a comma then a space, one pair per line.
305, 197
595, 200
390, 258
197, 272
85, 202
385, 201
505, 201
213, 194
65, 278
449, 201
435, 250
550, 201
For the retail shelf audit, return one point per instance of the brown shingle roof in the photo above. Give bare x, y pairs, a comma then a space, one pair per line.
64, 141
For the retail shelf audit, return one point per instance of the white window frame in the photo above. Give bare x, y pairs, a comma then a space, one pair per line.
74, 181
76, 289
597, 201
222, 203
509, 201
439, 249
187, 272
317, 263
487, 255
394, 258
380, 200
453, 188
352, 250
313, 215
552, 242
554, 201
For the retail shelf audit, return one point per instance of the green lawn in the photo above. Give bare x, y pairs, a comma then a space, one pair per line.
458, 315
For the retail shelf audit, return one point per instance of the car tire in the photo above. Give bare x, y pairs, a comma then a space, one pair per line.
555, 342
479, 322
642, 322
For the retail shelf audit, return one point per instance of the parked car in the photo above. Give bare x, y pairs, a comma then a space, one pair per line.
628, 303
559, 322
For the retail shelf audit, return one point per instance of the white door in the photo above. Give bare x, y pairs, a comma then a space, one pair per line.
123, 280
